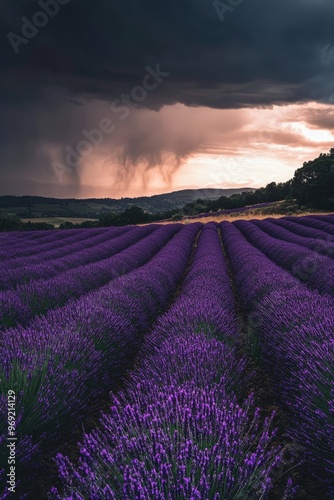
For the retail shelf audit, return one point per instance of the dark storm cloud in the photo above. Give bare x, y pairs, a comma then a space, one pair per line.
265, 52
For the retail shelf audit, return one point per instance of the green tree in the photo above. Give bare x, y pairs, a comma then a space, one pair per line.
177, 216
134, 215
109, 219
313, 184
9, 222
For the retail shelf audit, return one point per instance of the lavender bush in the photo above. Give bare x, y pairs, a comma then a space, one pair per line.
312, 268
301, 230
179, 442
295, 331
77, 254
19, 306
177, 431
313, 223
149, 315
281, 233
63, 362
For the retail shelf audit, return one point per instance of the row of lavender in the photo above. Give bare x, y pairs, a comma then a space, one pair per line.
21, 247
303, 259
62, 363
54, 262
59, 249
292, 328
177, 430
15, 236
323, 218
205, 302
315, 240
324, 222
20, 305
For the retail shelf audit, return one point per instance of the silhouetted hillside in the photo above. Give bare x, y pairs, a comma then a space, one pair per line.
38, 206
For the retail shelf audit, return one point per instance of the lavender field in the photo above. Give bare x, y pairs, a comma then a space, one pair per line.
169, 361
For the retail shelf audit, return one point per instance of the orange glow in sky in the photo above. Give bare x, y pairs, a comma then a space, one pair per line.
217, 148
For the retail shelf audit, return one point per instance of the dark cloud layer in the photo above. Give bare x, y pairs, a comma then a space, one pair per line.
265, 52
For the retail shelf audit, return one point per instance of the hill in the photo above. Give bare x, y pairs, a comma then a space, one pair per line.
38, 206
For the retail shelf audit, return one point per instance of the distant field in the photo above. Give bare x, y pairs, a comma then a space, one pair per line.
275, 210
56, 221
251, 214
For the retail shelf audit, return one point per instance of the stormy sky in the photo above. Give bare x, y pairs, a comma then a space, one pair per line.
132, 97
